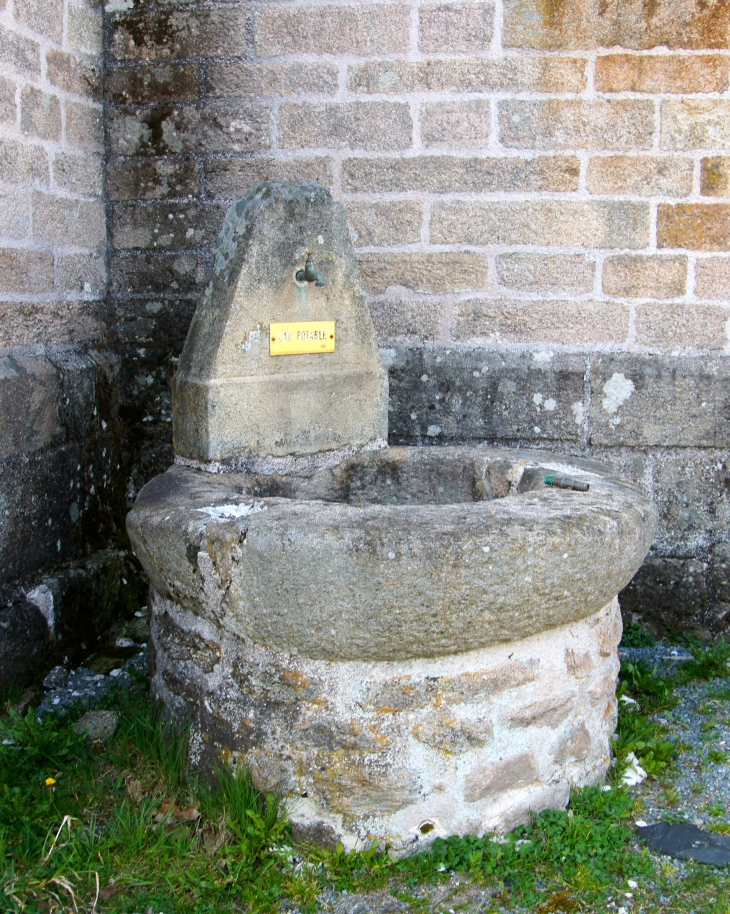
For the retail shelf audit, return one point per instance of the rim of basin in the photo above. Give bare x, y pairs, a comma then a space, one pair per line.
336, 580
445, 475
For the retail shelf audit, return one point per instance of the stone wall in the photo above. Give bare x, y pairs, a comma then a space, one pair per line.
538, 194
52, 273
59, 486
62, 497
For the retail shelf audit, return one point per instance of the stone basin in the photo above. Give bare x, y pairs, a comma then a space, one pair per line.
395, 553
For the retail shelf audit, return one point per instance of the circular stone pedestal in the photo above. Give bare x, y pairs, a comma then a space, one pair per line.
398, 751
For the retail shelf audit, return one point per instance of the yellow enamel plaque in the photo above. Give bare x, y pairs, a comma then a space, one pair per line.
301, 338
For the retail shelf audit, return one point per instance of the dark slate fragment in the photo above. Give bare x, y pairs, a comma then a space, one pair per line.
687, 842
57, 679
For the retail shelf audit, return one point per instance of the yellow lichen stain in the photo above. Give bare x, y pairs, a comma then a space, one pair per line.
715, 179
640, 24
711, 25
348, 782
406, 688
388, 710
298, 681
447, 722
441, 748
378, 736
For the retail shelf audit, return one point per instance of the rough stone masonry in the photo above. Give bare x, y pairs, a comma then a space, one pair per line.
538, 193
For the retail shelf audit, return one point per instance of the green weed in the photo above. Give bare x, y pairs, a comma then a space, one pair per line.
641, 682
10, 696
128, 826
255, 822
145, 739
642, 692
707, 662
636, 636
644, 737
721, 693
584, 849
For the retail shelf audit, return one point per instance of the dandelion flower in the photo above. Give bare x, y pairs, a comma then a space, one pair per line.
50, 782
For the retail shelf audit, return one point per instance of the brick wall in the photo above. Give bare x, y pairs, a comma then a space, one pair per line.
507, 179
528, 185
52, 224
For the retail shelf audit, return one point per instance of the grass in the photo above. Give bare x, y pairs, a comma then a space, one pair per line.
124, 829
708, 662
127, 825
643, 683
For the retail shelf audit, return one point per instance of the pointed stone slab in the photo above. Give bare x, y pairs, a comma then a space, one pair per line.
232, 400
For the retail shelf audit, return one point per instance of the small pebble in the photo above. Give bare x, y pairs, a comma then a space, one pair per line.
57, 678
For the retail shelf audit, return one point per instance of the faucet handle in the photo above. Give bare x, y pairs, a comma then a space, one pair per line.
309, 274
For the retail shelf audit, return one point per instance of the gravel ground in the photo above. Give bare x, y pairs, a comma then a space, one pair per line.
86, 687
117, 666
699, 787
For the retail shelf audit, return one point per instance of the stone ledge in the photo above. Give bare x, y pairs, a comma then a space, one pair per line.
424, 552
57, 450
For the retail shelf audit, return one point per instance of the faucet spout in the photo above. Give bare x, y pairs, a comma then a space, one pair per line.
309, 274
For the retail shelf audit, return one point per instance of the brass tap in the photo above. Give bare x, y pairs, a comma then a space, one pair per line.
309, 274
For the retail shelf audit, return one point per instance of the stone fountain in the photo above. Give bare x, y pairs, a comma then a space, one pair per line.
404, 642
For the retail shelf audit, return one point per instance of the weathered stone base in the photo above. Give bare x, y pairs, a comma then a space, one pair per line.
398, 752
